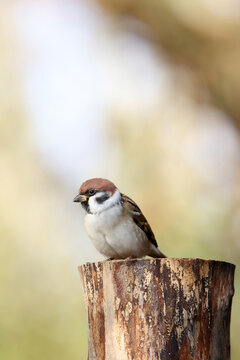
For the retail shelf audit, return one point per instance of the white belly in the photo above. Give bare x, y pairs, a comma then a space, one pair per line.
115, 235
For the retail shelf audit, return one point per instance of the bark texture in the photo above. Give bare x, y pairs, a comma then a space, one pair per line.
168, 309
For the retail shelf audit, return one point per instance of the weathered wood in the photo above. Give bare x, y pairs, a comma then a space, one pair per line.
168, 309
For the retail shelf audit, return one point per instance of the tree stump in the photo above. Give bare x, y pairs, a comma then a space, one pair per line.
168, 309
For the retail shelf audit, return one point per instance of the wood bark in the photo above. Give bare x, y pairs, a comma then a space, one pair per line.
168, 309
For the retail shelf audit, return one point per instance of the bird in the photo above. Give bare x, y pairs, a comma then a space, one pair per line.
114, 222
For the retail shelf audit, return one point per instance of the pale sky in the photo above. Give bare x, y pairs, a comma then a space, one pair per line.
78, 68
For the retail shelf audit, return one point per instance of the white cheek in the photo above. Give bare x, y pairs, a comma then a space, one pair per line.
92, 204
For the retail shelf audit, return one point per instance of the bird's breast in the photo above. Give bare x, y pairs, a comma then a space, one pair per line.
105, 221
115, 234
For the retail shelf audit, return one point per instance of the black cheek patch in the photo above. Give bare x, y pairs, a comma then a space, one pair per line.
85, 206
102, 198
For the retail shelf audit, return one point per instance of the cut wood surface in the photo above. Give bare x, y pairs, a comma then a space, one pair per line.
168, 309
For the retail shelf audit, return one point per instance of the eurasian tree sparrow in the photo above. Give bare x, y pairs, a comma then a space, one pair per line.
115, 224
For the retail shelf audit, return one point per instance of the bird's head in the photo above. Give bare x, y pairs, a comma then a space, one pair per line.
97, 195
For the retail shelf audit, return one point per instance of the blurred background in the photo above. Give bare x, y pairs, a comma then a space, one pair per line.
143, 92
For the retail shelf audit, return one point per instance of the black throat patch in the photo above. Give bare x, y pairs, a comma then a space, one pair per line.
86, 206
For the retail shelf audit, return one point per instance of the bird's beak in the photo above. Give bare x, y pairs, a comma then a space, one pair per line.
80, 198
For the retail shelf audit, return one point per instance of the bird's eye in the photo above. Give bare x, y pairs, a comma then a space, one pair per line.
92, 192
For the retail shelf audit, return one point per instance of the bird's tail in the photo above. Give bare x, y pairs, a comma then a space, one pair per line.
156, 253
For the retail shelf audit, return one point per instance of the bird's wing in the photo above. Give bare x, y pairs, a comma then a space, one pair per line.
138, 218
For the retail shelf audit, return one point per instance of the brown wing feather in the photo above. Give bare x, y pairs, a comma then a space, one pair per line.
139, 218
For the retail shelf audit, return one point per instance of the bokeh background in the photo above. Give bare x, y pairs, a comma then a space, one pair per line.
143, 92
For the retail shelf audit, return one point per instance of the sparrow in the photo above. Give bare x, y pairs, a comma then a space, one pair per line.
114, 222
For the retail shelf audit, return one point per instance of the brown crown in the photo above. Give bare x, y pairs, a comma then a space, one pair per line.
97, 184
